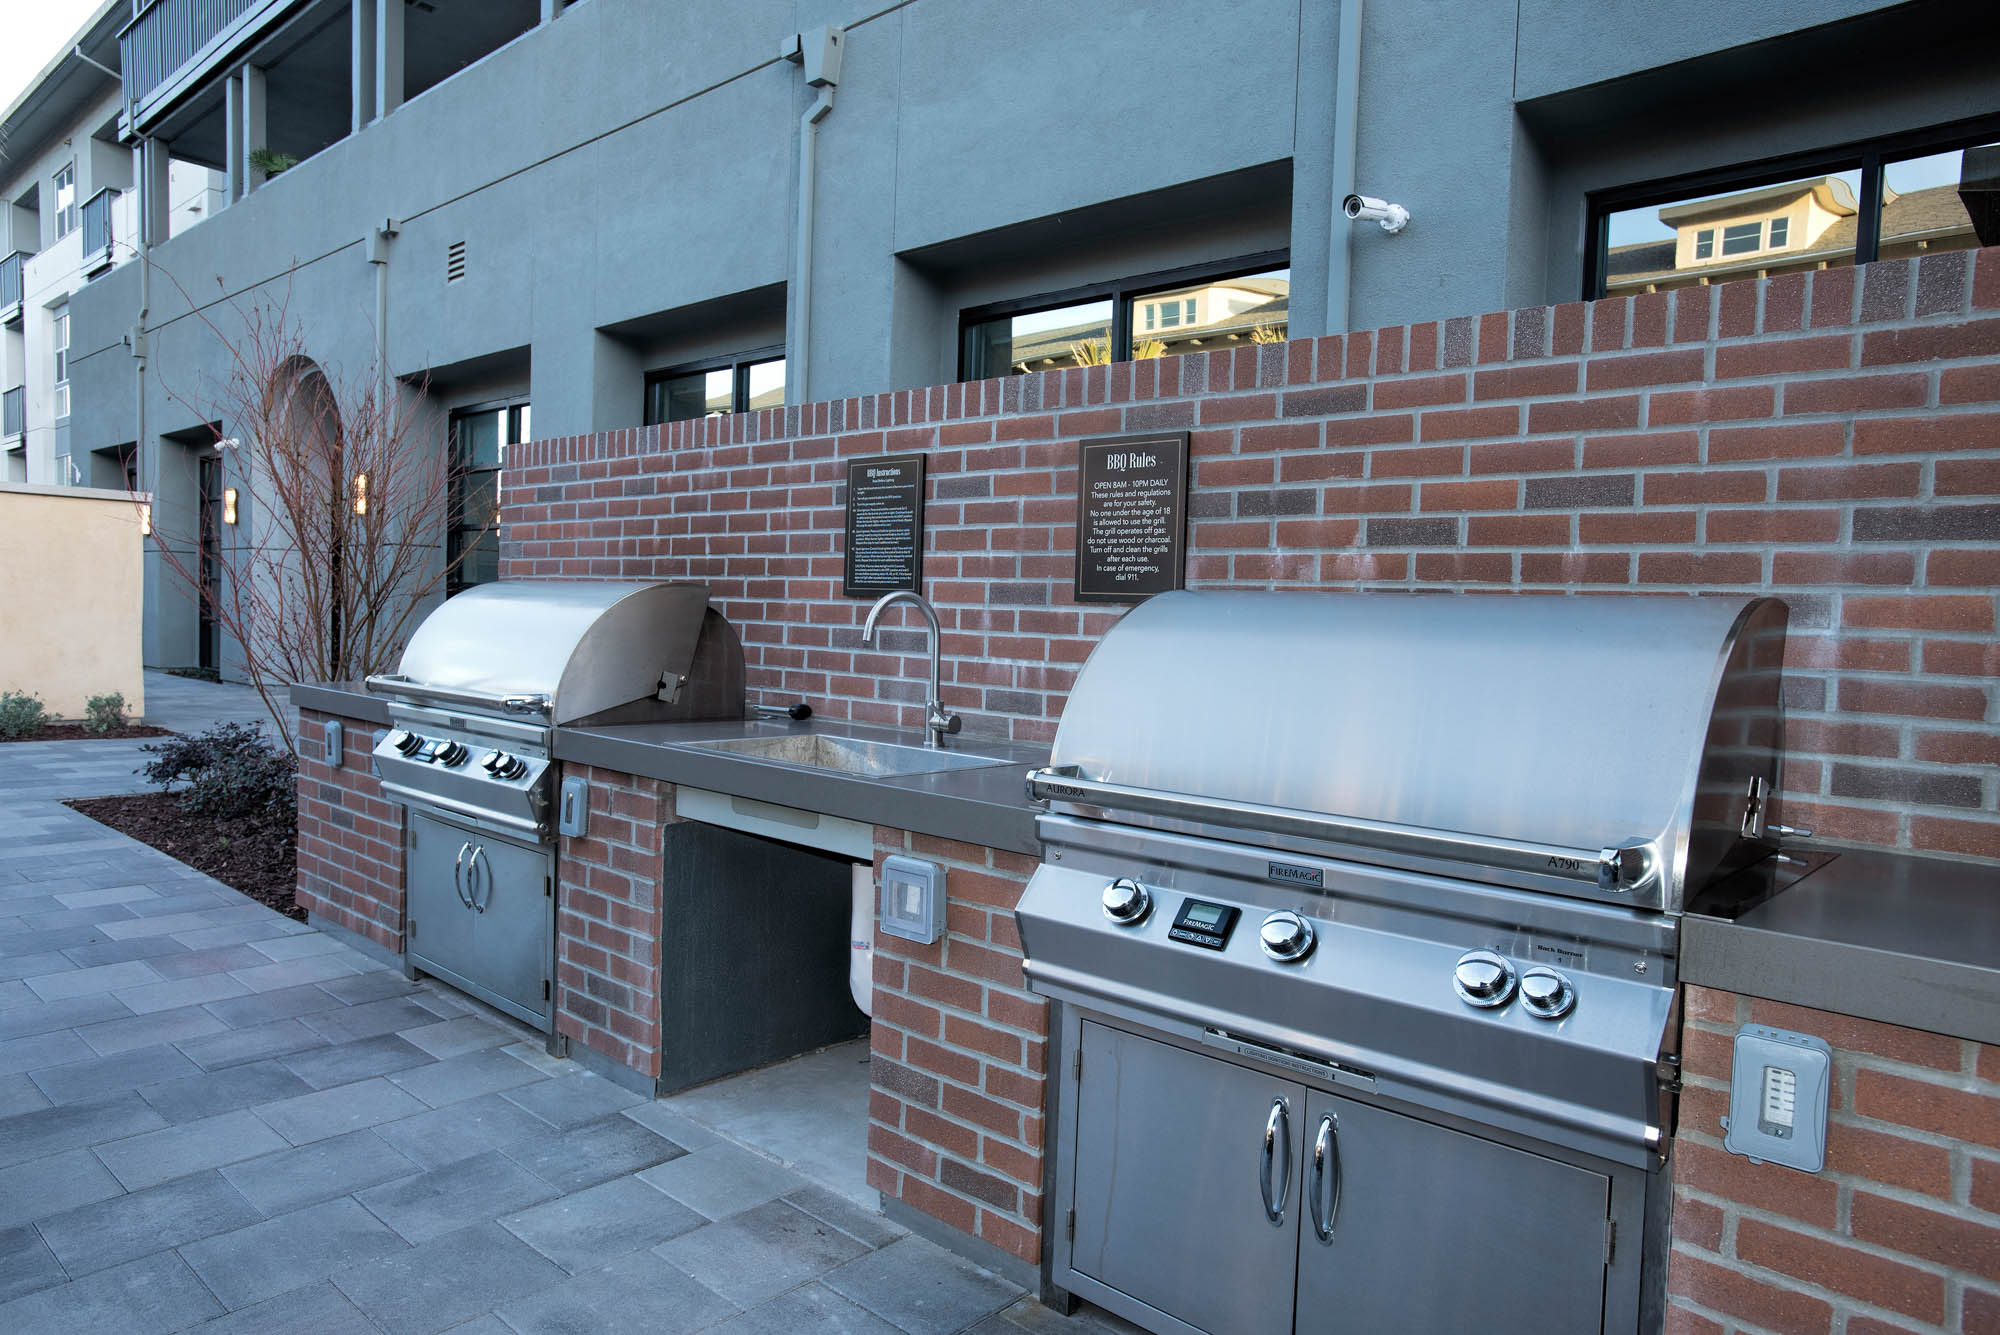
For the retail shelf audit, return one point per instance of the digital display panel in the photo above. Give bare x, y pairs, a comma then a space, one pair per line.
1203, 915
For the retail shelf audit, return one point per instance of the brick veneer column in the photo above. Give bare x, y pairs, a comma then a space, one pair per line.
1900, 1232
350, 836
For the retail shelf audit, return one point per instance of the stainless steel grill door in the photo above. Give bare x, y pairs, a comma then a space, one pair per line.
484, 917
1170, 1197
1434, 1230
441, 925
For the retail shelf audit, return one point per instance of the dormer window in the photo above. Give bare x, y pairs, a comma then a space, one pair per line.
1781, 229
1743, 238
1704, 244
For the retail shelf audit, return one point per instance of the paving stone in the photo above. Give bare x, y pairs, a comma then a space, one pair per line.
297, 947
585, 1155
583, 1230
466, 1076
369, 1018
282, 1254
117, 952
84, 982
146, 1297
45, 1017
464, 1033
289, 1179
42, 1050
808, 1307
447, 1280
1028, 1315
115, 1036
371, 986
105, 1077
461, 1130
220, 959
112, 1232
317, 1309
859, 1223
19, 1094
26, 1263
49, 1131
163, 924
721, 1180
292, 973
576, 1098
636, 1295
333, 1112
196, 1096
176, 992
14, 992
233, 1047
54, 1184
236, 933
761, 1252
268, 1007
443, 1200
39, 964
328, 1064
921, 1287
111, 894
210, 1142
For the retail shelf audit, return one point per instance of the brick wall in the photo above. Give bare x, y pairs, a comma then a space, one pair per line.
1901, 1232
955, 1112
1832, 438
350, 836
608, 920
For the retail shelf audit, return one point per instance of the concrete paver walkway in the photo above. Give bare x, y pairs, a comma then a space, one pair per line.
213, 1116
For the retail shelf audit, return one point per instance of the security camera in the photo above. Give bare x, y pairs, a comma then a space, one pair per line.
1366, 208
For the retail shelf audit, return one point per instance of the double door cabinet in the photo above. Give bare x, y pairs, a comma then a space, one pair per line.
1210, 1197
480, 915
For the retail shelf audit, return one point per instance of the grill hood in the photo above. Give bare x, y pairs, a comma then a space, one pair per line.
1435, 729
586, 647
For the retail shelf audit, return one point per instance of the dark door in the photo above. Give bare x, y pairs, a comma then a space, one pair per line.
1434, 1230
1171, 1173
208, 560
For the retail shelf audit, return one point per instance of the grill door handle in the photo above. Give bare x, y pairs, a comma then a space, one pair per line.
1323, 1188
458, 874
479, 878
1277, 1128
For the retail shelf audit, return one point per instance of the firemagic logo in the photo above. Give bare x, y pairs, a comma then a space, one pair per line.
1285, 871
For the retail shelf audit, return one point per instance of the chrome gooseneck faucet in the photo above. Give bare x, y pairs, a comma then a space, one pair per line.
937, 723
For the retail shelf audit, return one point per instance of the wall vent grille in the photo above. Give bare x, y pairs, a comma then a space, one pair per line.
454, 262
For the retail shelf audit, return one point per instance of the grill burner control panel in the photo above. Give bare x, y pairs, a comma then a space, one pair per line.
1200, 923
1488, 981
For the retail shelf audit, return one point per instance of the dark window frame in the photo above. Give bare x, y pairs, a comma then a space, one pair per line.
513, 405
1870, 157
1121, 293
739, 390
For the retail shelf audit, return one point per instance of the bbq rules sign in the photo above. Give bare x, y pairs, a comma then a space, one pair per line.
1131, 517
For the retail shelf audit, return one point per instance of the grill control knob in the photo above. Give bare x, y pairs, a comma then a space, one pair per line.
1546, 994
1126, 902
1287, 937
452, 753
405, 741
1484, 979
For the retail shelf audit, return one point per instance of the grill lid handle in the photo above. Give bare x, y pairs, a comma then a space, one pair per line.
1623, 869
398, 685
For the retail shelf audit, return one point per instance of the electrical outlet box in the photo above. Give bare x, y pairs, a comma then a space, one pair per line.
336, 738
573, 808
912, 904
1778, 1086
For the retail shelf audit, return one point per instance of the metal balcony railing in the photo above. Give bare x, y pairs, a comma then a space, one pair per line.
96, 229
167, 34
12, 421
10, 281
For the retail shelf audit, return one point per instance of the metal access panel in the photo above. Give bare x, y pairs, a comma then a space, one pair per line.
481, 915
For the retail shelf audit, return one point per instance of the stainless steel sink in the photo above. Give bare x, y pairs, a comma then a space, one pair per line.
847, 755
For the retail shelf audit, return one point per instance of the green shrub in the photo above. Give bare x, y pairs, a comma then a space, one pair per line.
230, 770
104, 713
20, 715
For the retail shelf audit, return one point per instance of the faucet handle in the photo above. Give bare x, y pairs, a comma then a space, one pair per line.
940, 723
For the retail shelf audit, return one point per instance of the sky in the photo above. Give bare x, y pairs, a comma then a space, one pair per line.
31, 33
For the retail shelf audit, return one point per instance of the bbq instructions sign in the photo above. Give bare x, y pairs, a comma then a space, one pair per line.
1131, 517
885, 525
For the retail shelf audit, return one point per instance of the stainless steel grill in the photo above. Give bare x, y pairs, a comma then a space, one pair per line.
477, 697
1363, 909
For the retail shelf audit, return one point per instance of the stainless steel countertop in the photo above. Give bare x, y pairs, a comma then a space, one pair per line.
1905, 940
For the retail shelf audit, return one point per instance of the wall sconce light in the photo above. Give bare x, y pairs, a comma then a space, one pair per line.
145, 520
361, 493
229, 505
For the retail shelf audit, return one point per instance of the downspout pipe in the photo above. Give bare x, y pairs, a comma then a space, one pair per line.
818, 53
1346, 134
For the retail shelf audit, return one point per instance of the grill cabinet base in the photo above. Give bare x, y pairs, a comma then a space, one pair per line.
481, 915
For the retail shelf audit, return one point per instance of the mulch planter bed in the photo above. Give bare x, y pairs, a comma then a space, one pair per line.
255, 855
76, 732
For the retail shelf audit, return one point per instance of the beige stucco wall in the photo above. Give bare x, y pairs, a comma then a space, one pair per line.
70, 596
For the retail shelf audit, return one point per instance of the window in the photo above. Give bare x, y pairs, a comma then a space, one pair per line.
1151, 315
1742, 238
1887, 199
716, 389
61, 343
479, 440
65, 192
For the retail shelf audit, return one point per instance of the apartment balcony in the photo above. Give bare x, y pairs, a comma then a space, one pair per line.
10, 290
171, 43
95, 227
13, 416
